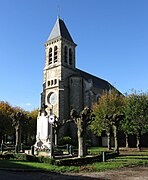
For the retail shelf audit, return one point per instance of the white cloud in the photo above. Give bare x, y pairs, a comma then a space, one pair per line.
28, 104
25, 104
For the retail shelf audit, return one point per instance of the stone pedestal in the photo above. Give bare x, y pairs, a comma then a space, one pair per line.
43, 141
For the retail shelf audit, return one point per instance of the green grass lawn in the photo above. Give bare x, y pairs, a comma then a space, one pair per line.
36, 165
96, 150
127, 158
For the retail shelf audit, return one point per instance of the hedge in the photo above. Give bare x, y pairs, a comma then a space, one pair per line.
85, 160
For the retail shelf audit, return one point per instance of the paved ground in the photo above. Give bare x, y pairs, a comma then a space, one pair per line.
9, 175
136, 173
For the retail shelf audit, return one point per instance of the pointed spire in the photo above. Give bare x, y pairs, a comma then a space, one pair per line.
60, 30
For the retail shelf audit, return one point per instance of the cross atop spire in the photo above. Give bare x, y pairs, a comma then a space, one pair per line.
58, 11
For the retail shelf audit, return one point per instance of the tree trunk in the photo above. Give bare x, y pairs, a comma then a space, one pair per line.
56, 139
80, 150
126, 140
139, 140
5, 138
109, 140
18, 137
116, 132
81, 144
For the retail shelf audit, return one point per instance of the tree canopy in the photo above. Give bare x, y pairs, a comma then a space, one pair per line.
136, 115
114, 111
108, 114
6, 123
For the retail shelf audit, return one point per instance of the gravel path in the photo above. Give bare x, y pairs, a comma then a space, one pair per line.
135, 173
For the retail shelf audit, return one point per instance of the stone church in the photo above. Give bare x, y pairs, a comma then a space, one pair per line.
65, 86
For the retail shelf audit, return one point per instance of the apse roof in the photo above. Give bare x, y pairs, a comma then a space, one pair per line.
60, 30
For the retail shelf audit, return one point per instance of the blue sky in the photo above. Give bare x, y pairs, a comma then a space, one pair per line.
111, 38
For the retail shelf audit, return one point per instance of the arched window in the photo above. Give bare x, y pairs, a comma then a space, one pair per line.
70, 56
51, 82
55, 81
55, 54
65, 54
50, 56
48, 83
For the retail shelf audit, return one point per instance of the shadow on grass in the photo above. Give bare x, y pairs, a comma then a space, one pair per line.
14, 164
12, 169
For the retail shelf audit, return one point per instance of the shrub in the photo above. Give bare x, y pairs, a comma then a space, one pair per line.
44, 159
26, 157
78, 161
31, 158
7, 156
66, 140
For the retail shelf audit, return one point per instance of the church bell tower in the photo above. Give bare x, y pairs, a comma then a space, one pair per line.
59, 65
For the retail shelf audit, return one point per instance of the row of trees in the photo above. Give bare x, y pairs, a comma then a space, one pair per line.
11, 118
115, 112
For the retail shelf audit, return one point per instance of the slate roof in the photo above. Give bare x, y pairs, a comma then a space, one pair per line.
97, 82
60, 30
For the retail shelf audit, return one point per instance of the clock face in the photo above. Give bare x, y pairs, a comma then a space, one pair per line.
52, 98
51, 119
